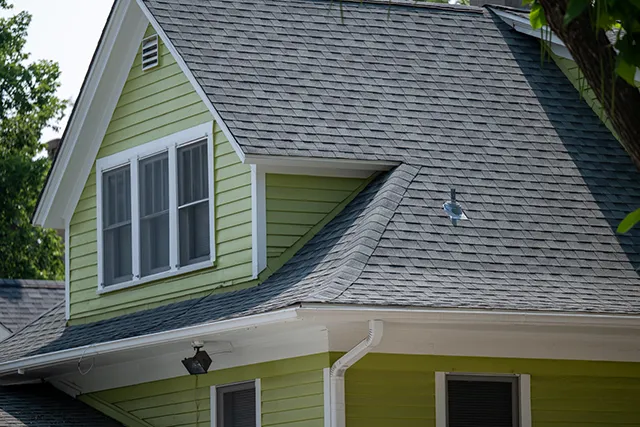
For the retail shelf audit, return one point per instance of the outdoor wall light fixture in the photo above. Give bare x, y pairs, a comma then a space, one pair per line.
453, 209
200, 362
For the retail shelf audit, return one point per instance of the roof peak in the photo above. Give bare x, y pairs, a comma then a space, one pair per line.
423, 4
31, 283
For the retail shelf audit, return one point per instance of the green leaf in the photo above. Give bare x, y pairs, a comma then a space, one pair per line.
536, 16
625, 70
574, 9
629, 221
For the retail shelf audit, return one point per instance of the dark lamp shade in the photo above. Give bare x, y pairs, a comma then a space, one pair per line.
198, 364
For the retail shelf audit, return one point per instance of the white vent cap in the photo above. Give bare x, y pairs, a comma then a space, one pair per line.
150, 55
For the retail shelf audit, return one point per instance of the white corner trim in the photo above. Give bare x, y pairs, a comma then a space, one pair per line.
213, 405
258, 220
326, 382
525, 400
258, 389
67, 272
192, 79
441, 399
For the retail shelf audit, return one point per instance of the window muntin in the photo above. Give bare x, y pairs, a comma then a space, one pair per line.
116, 197
236, 405
153, 229
193, 203
154, 214
482, 401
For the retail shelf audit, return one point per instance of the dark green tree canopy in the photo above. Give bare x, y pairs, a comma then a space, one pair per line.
28, 104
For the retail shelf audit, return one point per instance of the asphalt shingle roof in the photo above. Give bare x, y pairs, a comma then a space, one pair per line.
456, 97
21, 301
41, 405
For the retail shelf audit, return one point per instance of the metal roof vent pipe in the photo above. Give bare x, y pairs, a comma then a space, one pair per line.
339, 369
453, 209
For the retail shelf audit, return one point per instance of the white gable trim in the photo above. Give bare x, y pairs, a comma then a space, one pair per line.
88, 123
187, 72
523, 25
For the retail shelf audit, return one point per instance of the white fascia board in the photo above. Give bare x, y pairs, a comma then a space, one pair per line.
175, 335
192, 79
90, 117
348, 313
523, 25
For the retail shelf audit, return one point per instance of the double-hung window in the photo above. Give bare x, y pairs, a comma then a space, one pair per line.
155, 209
236, 405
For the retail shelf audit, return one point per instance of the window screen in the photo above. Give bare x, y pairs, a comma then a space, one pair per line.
193, 202
236, 405
116, 200
154, 214
482, 402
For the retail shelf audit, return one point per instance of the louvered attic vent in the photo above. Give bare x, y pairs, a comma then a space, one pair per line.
150, 52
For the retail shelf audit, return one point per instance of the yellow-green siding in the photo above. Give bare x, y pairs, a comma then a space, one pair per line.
295, 204
399, 390
292, 395
154, 104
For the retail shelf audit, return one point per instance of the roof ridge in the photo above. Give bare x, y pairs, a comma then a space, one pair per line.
422, 4
367, 229
32, 321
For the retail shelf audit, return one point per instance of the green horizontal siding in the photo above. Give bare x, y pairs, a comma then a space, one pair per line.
399, 390
155, 104
292, 395
296, 203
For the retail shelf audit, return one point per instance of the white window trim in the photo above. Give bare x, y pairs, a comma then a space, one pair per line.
131, 157
524, 395
213, 401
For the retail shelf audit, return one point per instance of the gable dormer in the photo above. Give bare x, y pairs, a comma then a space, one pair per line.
170, 207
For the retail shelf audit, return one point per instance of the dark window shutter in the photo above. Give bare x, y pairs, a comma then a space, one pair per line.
237, 406
477, 403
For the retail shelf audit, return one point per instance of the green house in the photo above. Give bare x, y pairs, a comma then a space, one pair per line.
369, 213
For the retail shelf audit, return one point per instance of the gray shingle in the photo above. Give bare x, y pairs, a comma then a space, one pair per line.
461, 101
41, 405
23, 300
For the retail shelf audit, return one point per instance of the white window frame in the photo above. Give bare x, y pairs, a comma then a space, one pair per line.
213, 401
132, 157
524, 394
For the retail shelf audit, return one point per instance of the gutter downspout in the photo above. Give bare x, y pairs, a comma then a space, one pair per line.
339, 369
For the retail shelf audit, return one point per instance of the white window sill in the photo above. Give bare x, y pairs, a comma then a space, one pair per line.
154, 277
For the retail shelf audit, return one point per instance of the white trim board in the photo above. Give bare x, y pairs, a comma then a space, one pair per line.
89, 120
258, 220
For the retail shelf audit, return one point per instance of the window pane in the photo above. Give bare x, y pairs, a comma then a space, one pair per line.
473, 403
194, 233
193, 189
193, 173
237, 406
154, 214
116, 213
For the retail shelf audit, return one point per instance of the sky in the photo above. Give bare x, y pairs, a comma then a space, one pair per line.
65, 31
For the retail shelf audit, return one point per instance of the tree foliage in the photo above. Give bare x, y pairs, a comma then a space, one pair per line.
603, 37
28, 105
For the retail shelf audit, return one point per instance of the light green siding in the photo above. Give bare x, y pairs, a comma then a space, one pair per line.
295, 204
292, 395
399, 390
155, 104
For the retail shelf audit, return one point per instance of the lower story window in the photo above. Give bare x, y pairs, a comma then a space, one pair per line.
235, 405
471, 400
